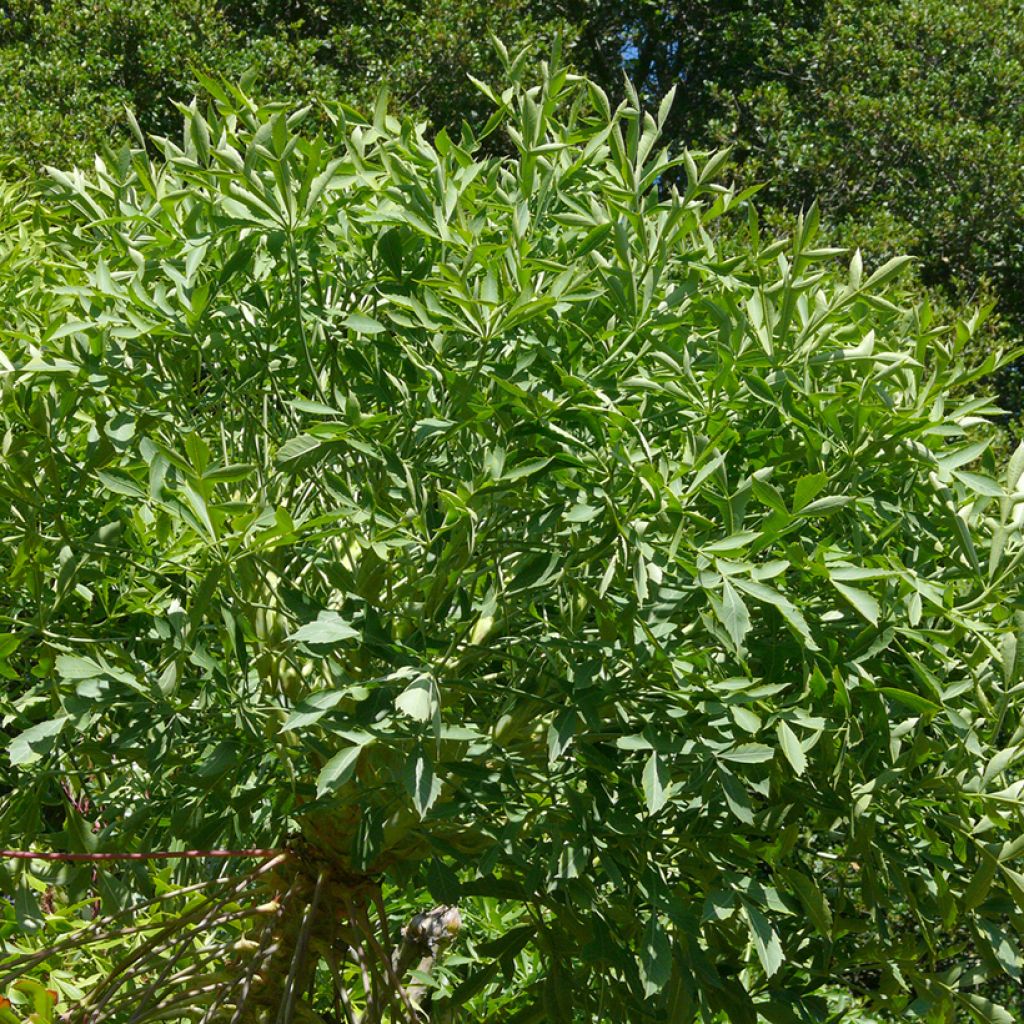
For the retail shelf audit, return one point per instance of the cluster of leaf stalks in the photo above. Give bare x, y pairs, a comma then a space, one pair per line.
267, 946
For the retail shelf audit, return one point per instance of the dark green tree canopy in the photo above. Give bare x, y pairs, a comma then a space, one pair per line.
516, 533
68, 69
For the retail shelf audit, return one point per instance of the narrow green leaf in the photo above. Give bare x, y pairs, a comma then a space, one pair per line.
363, 324
734, 614
313, 708
808, 488
121, 483
338, 770
748, 753
887, 271
72, 667
9, 643
656, 958
327, 628
813, 900
793, 616
951, 460
862, 601
418, 700
420, 781
791, 748
655, 782
736, 797
826, 505
978, 483
296, 447
35, 742
582, 514
981, 881
984, 1011
665, 107
525, 469
766, 942
914, 701
1015, 469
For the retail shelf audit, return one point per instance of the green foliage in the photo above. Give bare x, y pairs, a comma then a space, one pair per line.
902, 118
907, 119
517, 534
423, 52
68, 69
713, 52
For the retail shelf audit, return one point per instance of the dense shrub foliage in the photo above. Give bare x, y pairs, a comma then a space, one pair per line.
522, 538
904, 118
906, 121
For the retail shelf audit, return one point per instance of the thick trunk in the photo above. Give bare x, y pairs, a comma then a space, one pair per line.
320, 917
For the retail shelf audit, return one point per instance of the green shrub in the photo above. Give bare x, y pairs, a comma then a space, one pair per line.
486, 522
904, 119
68, 70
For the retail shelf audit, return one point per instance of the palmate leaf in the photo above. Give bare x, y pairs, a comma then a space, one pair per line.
514, 527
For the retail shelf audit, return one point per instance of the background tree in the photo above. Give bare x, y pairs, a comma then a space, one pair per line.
517, 535
903, 118
68, 69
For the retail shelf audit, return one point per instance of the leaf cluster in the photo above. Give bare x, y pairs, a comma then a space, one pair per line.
513, 530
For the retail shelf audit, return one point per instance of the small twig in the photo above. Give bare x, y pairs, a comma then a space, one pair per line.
142, 959
367, 1017
264, 950
157, 944
425, 937
143, 998
187, 995
376, 996
270, 951
389, 967
378, 902
91, 934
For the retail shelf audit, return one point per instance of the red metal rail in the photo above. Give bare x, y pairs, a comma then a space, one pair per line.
94, 858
